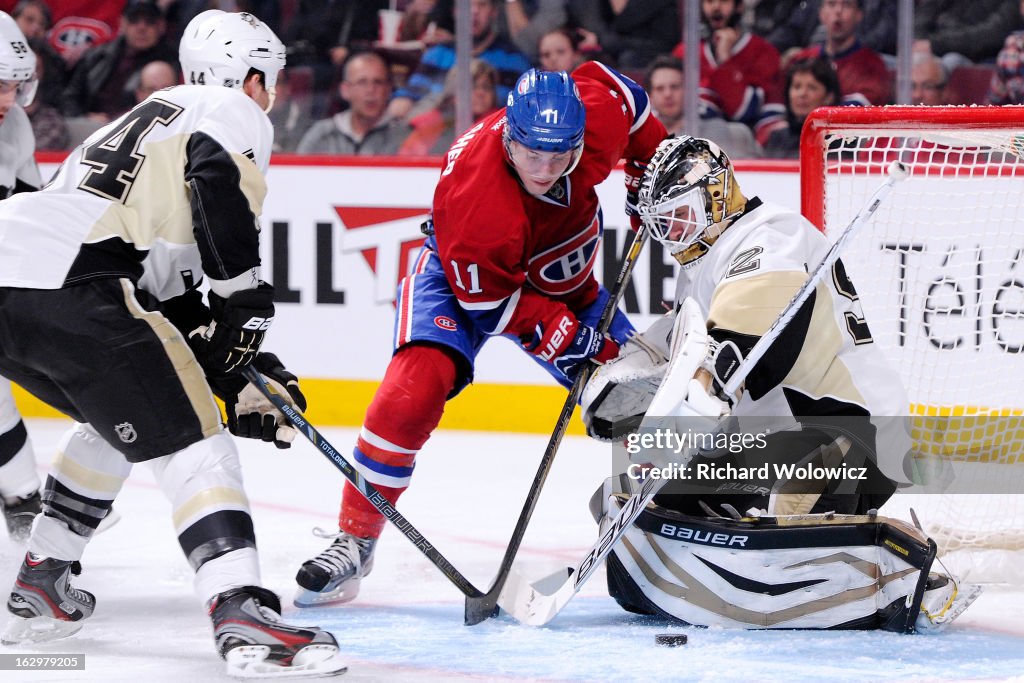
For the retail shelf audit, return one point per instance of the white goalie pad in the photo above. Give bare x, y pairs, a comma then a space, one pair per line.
618, 393
808, 571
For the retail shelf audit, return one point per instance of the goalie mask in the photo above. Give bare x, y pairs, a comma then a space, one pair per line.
689, 196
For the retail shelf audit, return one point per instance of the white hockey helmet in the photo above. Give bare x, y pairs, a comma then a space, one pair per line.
219, 48
17, 61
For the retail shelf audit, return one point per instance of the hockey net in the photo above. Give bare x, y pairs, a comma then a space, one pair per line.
940, 274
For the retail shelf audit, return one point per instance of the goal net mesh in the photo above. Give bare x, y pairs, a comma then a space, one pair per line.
940, 274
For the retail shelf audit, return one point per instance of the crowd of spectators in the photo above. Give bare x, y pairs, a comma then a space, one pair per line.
377, 76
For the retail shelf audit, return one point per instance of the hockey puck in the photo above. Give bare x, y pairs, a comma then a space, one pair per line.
670, 639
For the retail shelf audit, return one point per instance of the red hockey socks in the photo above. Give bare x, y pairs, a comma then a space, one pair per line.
405, 410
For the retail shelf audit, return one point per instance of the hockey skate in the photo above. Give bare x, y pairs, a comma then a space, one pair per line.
43, 604
335, 574
944, 600
19, 513
251, 637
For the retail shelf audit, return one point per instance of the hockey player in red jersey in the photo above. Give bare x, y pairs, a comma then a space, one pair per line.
516, 229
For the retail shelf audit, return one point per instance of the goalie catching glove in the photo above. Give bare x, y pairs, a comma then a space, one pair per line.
567, 344
252, 416
239, 326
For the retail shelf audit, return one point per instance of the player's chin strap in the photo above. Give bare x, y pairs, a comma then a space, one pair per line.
272, 93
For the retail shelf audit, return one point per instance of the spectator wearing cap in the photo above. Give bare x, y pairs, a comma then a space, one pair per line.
97, 88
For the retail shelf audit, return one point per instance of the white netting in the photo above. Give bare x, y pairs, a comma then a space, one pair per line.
940, 273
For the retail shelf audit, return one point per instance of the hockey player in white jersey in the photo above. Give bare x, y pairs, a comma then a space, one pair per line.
19, 482
822, 395
101, 318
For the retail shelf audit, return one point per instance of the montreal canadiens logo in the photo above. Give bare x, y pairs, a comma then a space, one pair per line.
445, 323
566, 266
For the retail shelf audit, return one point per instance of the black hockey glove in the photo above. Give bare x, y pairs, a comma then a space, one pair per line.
239, 325
252, 416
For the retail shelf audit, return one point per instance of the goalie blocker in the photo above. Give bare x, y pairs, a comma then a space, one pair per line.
803, 571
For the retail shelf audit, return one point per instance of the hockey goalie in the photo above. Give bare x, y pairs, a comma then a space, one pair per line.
769, 520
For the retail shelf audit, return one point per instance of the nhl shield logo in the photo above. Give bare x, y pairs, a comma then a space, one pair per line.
126, 432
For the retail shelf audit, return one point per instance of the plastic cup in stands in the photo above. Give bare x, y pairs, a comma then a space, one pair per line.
390, 21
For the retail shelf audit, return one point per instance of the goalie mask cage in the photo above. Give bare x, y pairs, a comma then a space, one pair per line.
940, 275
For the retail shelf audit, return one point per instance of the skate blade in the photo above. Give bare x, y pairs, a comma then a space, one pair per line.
37, 630
966, 594
312, 661
346, 592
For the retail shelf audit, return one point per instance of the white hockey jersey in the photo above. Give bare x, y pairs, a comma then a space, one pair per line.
828, 357
168, 192
17, 153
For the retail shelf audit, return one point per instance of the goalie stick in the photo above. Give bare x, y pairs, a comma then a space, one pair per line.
364, 487
537, 603
482, 607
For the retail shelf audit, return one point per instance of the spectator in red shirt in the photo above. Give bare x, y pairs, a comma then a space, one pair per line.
739, 71
863, 76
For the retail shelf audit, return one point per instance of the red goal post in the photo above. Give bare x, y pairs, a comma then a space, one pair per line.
940, 274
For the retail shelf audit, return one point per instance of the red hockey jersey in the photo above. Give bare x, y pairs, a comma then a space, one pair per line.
514, 259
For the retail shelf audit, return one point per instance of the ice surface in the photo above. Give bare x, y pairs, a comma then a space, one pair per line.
407, 623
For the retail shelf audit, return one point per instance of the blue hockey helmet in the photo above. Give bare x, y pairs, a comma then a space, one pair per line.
545, 112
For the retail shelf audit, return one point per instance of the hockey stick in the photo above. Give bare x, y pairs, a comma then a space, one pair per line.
537, 603
481, 607
364, 487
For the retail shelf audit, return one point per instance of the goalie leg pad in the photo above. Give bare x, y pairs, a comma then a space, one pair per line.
813, 571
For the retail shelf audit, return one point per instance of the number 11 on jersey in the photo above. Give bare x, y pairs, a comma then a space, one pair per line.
474, 277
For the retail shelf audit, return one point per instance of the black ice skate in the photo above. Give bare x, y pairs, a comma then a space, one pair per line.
251, 637
19, 514
43, 603
335, 574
